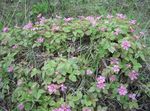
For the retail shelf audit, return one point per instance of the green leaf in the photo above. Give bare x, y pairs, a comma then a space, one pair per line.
92, 89
133, 105
67, 29
40, 92
34, 72
79, 94
111, 49
72, 78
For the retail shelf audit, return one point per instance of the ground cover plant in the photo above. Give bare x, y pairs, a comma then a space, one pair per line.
71, 64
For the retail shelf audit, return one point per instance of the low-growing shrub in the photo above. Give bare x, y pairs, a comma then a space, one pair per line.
72, 64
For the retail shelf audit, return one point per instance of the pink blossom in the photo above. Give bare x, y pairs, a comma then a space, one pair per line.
122, 90
142, 33
132, 30
89, 72
86, 109
35, 28
15, 46
10, 69
114, 61
92, 20
116, 68
5, 29
109, 16
68, 19
132, 96
121, 16
42, 20
125, 44
20, 106
112, 78
52, 88
99, 17
128, 65
55, 28
63, 88
132, 22
40, 40
101, 82
63, 108
28, 26
103, 29
117, 31
100, 79
101, 85
136, 37
133, 75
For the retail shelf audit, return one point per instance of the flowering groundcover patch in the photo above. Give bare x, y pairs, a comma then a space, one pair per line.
72, 64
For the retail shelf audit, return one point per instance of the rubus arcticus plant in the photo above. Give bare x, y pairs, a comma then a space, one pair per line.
72, 64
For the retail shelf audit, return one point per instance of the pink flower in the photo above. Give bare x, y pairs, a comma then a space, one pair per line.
10, 69
136, 37
101, 82
68, 19
40, 40
109, 16
142, 33
92, 20
116, 68
125, 44
15, 46
132, 30
133, 75
112, 78
35, 28
101, 85
114, 61
55, 28
63, 88
63, 108
128, 65
28, 26
132, 22
121, 16
101, 79
5, 29
52, 88
42, 20
89, 72
117, 31
132, 96
99, 17
20, 106
122, 90
103, 29
86, 109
